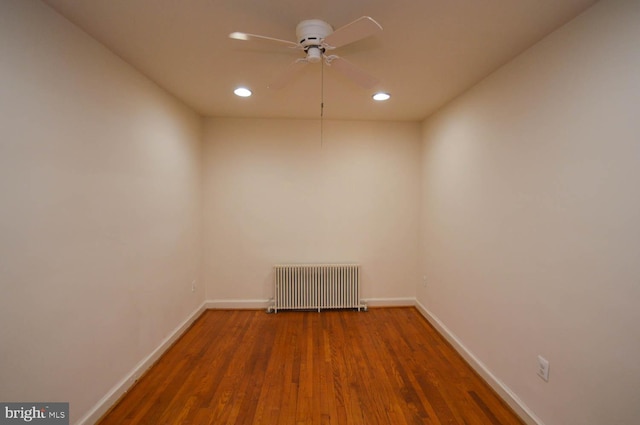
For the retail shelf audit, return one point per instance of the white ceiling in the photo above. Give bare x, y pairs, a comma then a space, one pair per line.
429, 52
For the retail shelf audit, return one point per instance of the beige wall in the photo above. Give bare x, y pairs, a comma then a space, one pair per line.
100, 212
530, 220
274, 194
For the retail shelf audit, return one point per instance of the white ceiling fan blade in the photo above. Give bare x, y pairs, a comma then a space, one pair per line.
249, 37
351, 71
293, 68
357, 30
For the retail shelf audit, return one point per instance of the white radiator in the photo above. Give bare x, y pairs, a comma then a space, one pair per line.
316, 287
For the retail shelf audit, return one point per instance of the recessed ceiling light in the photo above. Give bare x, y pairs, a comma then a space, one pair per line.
242, 92
381, 96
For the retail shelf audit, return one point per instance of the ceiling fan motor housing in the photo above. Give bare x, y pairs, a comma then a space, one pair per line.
310, 33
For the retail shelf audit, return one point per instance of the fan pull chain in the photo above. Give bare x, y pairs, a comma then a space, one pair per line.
321, 103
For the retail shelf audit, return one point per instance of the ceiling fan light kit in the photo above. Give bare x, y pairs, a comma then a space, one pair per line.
314, 54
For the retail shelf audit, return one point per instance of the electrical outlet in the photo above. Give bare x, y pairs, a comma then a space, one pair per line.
424, 281
193, 286
543, 368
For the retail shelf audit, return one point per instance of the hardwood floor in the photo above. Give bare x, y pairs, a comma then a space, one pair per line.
384, 366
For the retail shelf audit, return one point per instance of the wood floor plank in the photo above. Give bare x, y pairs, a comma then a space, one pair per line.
384, 366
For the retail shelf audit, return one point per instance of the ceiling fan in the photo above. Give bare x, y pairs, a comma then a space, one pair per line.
317, 39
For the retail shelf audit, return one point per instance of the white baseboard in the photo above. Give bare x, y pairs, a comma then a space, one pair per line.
500, 387
237, 304
123, 386
389, 302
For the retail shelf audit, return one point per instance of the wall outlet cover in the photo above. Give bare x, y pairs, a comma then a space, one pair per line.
543, 368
